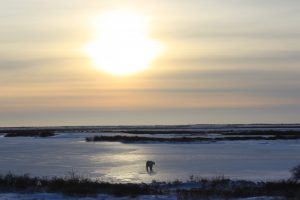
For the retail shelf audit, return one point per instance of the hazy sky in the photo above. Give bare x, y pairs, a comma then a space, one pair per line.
233, 61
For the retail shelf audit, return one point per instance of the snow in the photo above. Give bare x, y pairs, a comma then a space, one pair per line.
49, 196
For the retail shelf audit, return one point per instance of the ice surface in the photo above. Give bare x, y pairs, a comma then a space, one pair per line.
109, 161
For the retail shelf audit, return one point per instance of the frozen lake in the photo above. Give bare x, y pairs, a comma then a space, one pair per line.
56, 156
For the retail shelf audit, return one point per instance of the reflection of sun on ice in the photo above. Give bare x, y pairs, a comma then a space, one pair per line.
121, 46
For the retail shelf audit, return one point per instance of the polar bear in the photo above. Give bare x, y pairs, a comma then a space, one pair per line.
149, 165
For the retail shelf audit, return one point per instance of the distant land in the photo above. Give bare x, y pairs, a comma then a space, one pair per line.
191, 127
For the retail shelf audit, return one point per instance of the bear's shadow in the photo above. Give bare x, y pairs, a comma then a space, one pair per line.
151, 173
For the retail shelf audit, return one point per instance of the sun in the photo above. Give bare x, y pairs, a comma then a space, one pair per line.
122, 45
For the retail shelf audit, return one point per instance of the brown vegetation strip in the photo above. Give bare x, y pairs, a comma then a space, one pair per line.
129, 139
30, 133
218, 187
222, 132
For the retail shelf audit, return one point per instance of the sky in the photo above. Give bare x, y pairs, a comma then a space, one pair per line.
233, 61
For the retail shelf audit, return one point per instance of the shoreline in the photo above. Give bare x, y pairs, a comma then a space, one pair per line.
196, 187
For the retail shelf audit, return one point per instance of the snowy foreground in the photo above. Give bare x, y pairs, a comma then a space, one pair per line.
46, 196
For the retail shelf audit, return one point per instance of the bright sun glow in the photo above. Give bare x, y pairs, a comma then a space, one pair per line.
122, 45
